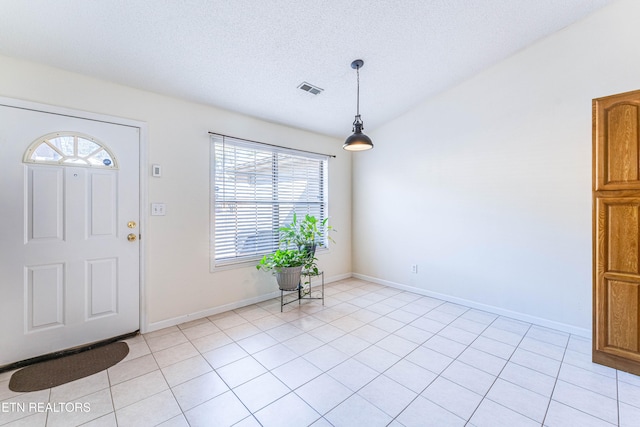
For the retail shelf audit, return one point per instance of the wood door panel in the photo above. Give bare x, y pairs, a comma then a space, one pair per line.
617, 241
622, 315
622, 143
617, 152
623, 236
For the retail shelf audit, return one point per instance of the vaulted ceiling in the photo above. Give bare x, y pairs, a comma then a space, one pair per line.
250, 56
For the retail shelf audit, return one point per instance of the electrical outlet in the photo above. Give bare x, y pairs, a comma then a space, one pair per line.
414, 268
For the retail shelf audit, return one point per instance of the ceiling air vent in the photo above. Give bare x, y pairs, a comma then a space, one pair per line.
308, 87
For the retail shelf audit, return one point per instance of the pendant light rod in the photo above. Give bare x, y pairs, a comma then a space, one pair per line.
357, 64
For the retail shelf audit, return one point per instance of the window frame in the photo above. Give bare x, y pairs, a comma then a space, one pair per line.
275, 151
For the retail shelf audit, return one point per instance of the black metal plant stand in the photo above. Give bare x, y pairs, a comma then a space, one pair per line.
305, 292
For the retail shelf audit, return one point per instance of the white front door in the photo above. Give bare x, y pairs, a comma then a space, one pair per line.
69, 275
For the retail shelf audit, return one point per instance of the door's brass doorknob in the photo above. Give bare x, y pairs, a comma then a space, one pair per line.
131, 237
131, 224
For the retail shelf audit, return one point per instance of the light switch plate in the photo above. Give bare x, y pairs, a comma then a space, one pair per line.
157, 209
156, 170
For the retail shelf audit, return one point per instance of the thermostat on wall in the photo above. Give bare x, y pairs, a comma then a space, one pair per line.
156, 170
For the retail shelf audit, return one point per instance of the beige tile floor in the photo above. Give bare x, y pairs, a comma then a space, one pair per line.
373, 356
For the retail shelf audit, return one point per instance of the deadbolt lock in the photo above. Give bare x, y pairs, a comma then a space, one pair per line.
131, 224
132, 237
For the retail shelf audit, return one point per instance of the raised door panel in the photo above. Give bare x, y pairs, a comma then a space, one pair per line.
44, 196
101, 287
622, 317
44, 288
622, 235
617, 142
103, 213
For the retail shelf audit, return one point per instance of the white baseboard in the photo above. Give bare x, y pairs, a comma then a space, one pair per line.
582, 332
155, 326
338, 277
209, 312
586, 333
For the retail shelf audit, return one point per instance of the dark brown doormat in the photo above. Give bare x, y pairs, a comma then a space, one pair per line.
55, 372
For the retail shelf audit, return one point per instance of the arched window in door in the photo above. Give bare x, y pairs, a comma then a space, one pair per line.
71, 149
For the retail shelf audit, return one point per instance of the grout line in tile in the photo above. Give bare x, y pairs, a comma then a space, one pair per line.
618, 396
498, 375
440, 374
555, 383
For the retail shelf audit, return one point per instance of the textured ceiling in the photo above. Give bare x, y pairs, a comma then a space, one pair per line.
250, 55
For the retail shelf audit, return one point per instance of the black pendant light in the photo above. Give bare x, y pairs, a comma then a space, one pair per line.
358, 141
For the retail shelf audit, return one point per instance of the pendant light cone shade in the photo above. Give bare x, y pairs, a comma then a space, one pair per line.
358, 141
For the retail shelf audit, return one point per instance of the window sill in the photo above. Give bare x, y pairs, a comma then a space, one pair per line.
234, 265
231, 265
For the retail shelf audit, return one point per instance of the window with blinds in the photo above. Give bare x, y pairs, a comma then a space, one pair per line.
256, 189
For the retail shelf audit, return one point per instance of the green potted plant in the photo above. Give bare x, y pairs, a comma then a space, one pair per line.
298, 242
307, 234
287, 265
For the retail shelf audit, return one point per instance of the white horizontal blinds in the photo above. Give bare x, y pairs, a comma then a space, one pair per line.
256, 189
243, 193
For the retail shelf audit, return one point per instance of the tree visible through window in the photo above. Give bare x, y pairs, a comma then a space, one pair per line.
255, 189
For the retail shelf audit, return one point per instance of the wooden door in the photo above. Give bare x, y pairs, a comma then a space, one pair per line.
616, 231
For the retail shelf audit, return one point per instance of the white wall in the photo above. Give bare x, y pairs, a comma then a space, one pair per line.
487, 187
178, 280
